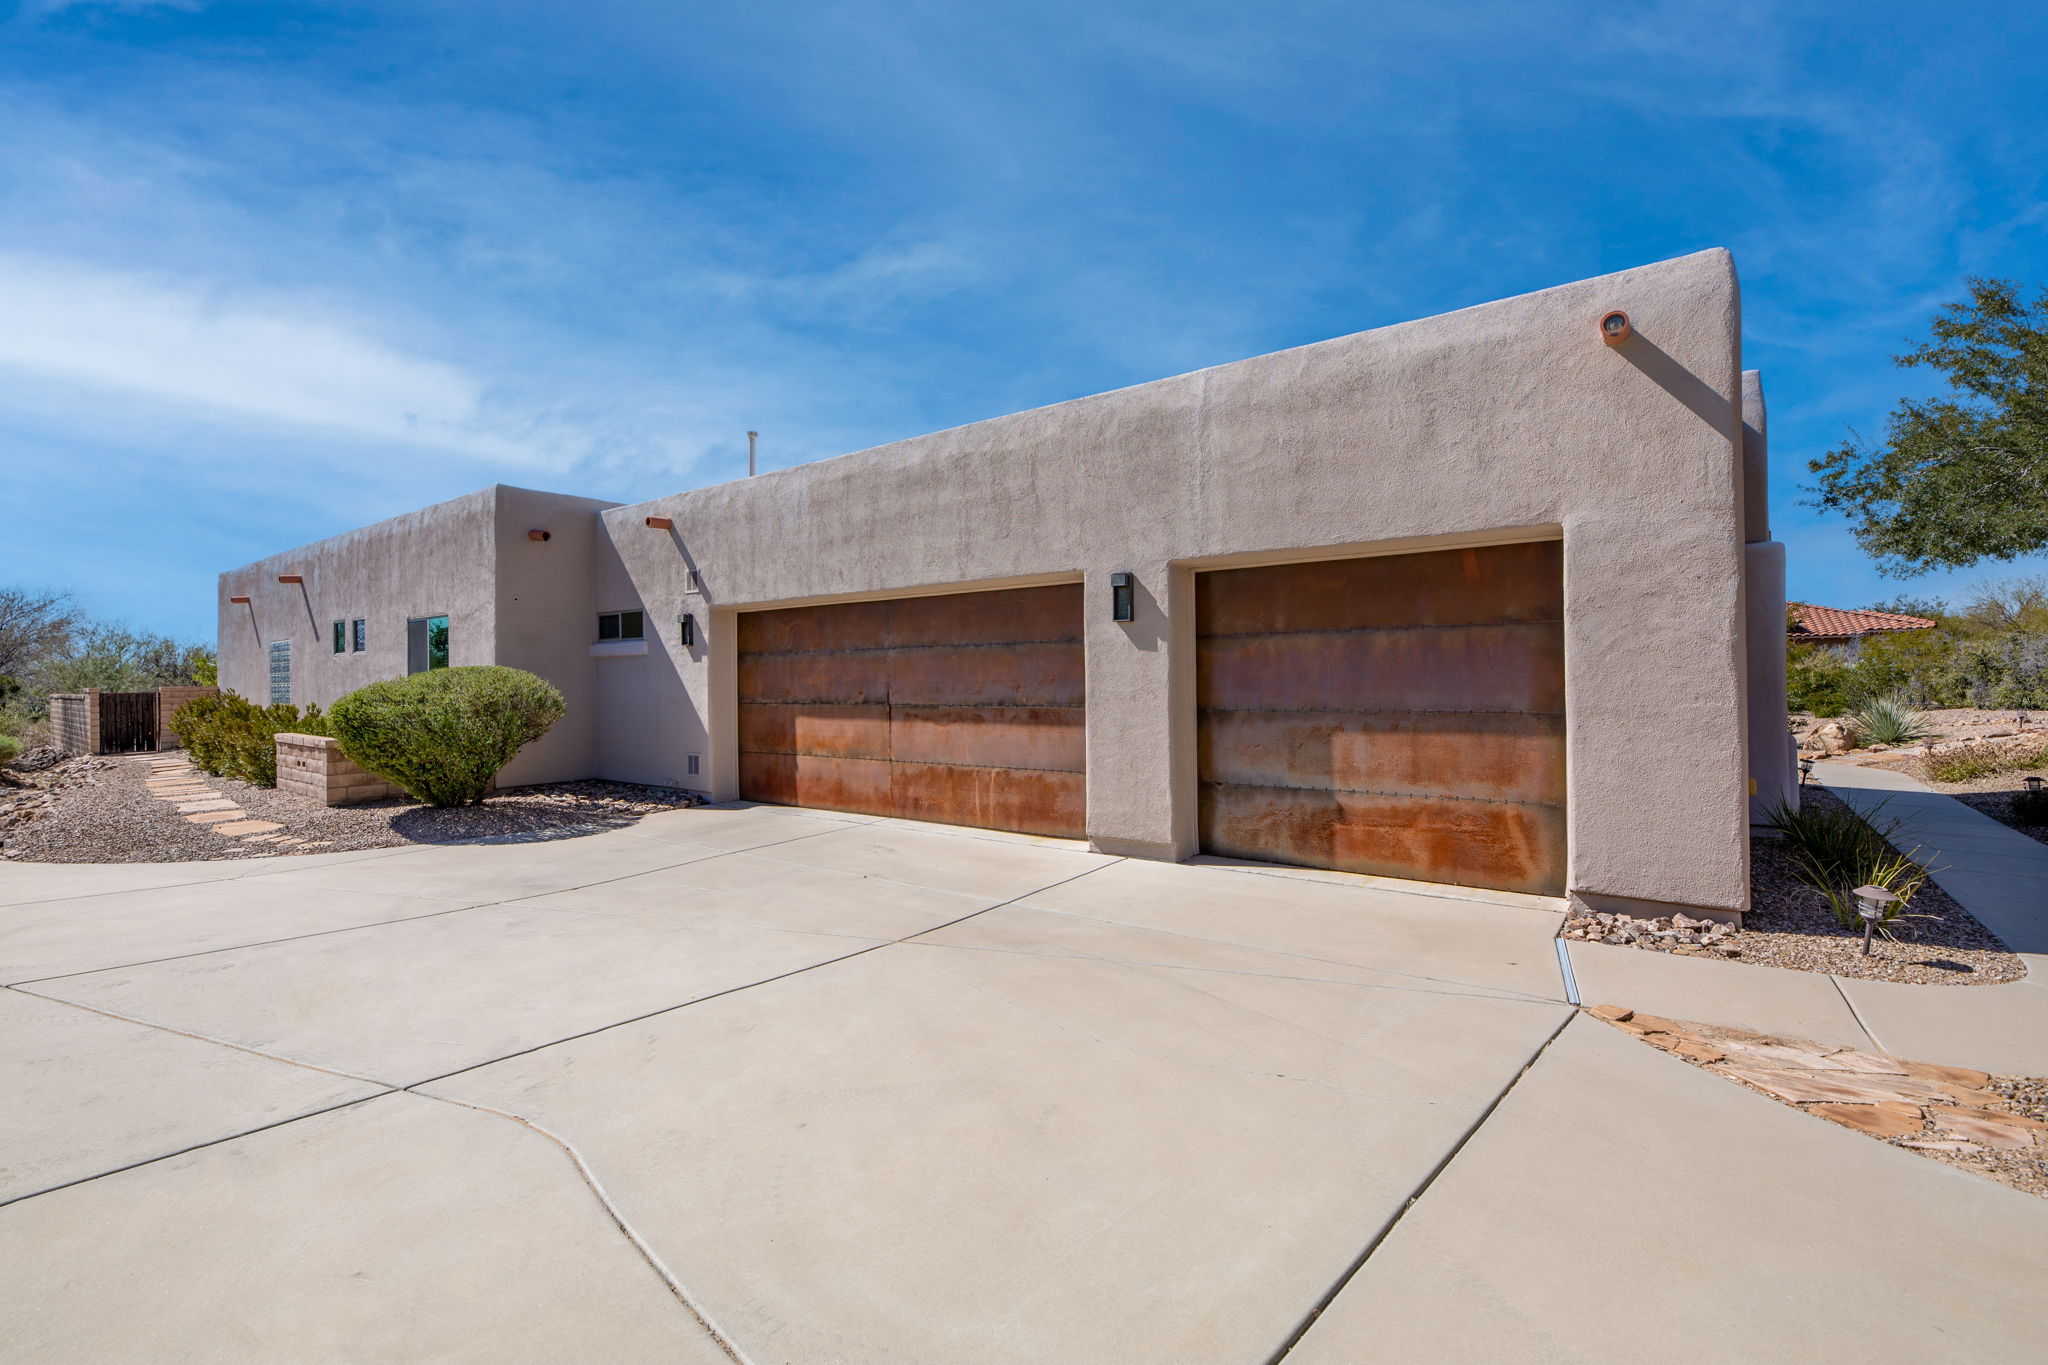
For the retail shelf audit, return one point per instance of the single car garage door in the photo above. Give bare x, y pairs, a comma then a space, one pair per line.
1401, 715
966, 708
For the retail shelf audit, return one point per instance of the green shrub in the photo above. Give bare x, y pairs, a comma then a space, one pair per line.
1888, 720
1835, 850
230, 736
10, 749
443, 735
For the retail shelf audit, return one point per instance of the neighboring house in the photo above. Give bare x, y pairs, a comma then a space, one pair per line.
1844, 629
1403, 603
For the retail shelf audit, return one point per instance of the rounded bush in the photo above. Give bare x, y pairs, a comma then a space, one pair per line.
230, 736
443, 735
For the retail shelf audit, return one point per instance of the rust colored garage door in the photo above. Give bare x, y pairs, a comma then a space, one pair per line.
965, 709
1402, 716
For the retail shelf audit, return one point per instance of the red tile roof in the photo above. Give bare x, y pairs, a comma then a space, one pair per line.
1839, 623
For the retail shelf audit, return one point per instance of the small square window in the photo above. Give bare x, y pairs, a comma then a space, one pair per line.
340, 631
359, 635
621, 625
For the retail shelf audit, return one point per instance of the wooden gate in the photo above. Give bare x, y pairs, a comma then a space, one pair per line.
966, 708
1402, 716
127, 722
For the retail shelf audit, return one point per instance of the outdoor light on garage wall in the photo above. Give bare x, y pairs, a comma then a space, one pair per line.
1122, 603
689, 628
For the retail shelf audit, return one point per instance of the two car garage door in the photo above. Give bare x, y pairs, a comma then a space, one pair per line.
1399, 715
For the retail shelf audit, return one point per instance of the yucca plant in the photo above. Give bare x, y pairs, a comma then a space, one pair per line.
1888, 720
1835, 850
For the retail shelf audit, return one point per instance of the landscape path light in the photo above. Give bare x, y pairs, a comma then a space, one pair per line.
1805, 770
2033, 784
1870, 904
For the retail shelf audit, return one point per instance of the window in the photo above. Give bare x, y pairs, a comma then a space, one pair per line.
621, 625
359, 635
280, 672
340, 633
426, 643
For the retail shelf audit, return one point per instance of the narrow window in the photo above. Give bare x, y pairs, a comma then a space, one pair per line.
280, 672
695, 764
359, 635
426, 643
340, 632
621, 625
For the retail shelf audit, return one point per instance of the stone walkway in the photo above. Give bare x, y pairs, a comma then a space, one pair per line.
173, 778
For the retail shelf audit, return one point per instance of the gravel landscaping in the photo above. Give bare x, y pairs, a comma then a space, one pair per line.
1790, 925
101, 810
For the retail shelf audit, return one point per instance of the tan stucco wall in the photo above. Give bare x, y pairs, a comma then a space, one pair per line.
509, 600
1507, 421
1773, 753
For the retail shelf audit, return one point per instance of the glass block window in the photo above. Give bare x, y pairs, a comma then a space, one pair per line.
359, 635
621, 625
280, 672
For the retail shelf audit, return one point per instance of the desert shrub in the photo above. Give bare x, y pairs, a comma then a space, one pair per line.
1888, 720
1835, 850
10, 749
1973, 761
1819, 680
231, 736
443, 735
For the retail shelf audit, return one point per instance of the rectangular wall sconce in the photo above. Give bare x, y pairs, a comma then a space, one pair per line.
689, 629
1122, 602
695, 764
691, 582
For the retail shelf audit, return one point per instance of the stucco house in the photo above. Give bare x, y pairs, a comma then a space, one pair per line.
1486, 599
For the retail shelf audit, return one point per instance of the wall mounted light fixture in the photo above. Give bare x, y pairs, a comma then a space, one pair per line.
1615, 329
1123, 604
688, 626
661, 523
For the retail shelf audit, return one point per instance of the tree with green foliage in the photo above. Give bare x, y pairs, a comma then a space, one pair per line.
1962, 478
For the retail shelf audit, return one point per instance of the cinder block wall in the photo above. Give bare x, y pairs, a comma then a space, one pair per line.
75, 721
314, 767
168, 700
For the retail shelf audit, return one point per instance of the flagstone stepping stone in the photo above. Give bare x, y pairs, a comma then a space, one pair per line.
1888, 1120
238, 828
214, 817
218, 803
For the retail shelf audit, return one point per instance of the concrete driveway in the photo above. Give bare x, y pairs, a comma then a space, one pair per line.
778, 1086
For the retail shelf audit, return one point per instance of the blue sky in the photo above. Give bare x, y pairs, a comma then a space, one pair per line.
270, 270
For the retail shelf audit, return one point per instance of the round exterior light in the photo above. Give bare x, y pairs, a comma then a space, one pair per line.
1615, 329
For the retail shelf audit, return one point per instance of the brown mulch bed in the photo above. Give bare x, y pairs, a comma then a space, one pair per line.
1992, 1126
97, 810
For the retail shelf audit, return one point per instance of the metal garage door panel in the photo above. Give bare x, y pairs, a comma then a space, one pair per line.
816, 728
1402, 716
1502, 845
1470, 668
1487, 585
1513, 757
964, 708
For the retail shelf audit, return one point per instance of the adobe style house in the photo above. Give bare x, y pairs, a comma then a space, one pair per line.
1844, 629
1486, 599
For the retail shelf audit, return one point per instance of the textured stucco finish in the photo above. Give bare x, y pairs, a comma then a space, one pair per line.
1502, 422
509, 600
1506, 422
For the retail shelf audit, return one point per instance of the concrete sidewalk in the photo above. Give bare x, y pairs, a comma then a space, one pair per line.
778, 1086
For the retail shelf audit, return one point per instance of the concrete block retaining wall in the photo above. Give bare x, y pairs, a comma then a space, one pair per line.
313, 766
168, 700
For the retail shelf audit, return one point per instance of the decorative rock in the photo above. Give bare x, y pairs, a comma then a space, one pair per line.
1613, 1014
1985, 1132
1801, 1087
1887, 1120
